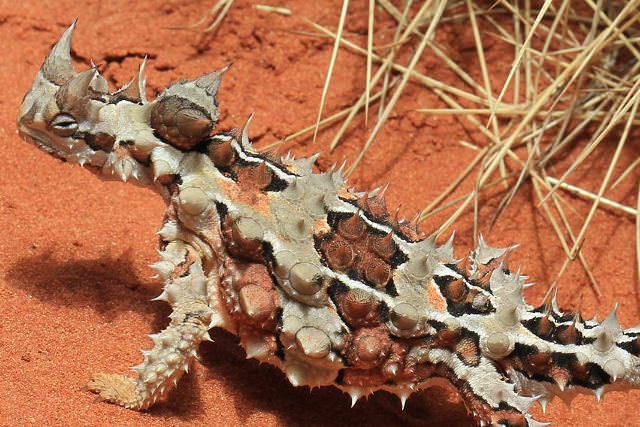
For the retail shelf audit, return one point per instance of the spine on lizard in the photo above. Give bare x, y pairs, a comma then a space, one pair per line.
313, 276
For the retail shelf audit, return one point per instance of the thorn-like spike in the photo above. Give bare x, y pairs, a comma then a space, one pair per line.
210, 82
526, 402
355, 394
570, 334
135, 89
598, 393
608, 332
404, 395
543, 401
142, 81
446, 250
162, 297
57, 67
396, 216
138, 369
554, 302
363, 200
76, 89
561, 377
393, 369
546, 300
352, 228
155, 338
245, 133
611, 321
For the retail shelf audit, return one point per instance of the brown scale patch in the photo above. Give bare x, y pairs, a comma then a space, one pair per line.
253, 177
358, 308
222, 154
368, 347
246, 193
273, 156
338, 253
363, 377
424, 371
352, 248
484, 271
375, 270
468, 351
560, 376
636, 346
447, 338
436, 300
180, 122
253, 292
343, 193
483, 304
580, 372
538, 364
545, 327
253, 274
237, 245
352, 228
375, 205
568, 335
409, 229
383, 246
167, 180
456, 291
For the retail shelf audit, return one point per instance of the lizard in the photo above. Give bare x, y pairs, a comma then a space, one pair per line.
313, 276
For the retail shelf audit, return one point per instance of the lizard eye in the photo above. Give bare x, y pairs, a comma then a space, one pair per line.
63, 125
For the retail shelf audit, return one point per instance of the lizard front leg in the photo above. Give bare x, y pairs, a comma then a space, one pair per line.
174, 348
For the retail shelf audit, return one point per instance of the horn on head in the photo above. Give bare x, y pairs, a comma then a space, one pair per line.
135, 90
57, 67
73, 95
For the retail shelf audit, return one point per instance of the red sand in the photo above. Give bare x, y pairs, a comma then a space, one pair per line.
74, 275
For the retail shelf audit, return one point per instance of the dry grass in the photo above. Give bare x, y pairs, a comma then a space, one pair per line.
574, 67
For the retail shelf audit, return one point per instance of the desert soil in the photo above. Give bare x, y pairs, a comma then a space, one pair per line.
75, 286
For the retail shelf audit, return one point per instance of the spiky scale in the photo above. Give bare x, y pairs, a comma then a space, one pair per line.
307, 272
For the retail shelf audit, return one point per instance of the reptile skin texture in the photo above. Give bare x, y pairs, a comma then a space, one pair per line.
314, 277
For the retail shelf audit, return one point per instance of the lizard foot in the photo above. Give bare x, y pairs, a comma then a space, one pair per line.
115, 388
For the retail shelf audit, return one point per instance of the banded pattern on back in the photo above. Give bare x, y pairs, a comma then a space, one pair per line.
313, 276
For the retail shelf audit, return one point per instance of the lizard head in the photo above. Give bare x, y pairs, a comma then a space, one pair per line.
74, 117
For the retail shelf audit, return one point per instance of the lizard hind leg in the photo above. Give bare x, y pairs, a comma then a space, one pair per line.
173, 348
161, 369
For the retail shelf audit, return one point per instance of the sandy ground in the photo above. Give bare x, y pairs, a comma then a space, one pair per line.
74, 278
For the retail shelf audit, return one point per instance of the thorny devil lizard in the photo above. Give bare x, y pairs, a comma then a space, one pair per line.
313, 277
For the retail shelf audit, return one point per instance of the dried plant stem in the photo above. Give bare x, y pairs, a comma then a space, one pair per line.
405, 78
592, 196
332, 63
349, 111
